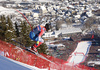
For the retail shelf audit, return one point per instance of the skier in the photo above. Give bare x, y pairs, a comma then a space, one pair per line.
36, 34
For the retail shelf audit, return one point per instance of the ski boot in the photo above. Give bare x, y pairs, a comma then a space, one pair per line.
34, 49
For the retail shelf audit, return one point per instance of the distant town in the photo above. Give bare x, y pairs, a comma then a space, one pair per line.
71, 21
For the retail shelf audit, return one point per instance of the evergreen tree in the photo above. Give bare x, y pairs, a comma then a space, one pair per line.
16, 29
42, 48
10, 32
9, 22
3, 19
3, 27
25, 29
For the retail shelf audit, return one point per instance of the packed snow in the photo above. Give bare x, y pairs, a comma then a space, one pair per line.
9, 64
80, 52
6, 11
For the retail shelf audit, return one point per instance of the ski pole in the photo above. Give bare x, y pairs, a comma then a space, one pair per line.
25, 18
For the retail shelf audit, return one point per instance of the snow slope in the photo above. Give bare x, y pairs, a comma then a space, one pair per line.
80, 53
9, 64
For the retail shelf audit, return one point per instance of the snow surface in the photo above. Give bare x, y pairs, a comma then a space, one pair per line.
6, 11
94, 62
80, 52
9, 64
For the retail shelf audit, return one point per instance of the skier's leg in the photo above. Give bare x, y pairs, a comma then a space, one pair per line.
41, 40
35, 46
38, 42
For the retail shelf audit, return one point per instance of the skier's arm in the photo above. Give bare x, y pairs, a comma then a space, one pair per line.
39, 36
42, 31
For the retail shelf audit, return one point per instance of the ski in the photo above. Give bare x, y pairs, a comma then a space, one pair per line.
36, 53
28, 49
25, 48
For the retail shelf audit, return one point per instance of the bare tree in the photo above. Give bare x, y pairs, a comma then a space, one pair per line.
58, 23
89, 22
96, 32
98, 21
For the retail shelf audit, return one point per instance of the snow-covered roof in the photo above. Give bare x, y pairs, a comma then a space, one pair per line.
6, 11
45, 0
89, 13
63, 25
53, 45
62, 31
49, 34
69, 30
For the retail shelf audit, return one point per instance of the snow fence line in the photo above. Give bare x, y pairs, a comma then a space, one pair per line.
18, 54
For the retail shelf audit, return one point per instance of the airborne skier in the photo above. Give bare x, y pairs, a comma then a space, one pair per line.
36, 34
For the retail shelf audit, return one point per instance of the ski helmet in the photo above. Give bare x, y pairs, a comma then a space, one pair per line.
47, 26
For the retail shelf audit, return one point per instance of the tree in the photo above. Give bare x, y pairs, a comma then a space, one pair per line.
9, 22
3, 28
24, 35
6, 32
3, 19
42, 48
68, 21
98, 21
10, 32
16, 29
58, 24
97, 32
89, 23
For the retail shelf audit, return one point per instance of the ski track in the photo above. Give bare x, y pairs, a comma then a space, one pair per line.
9, 64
